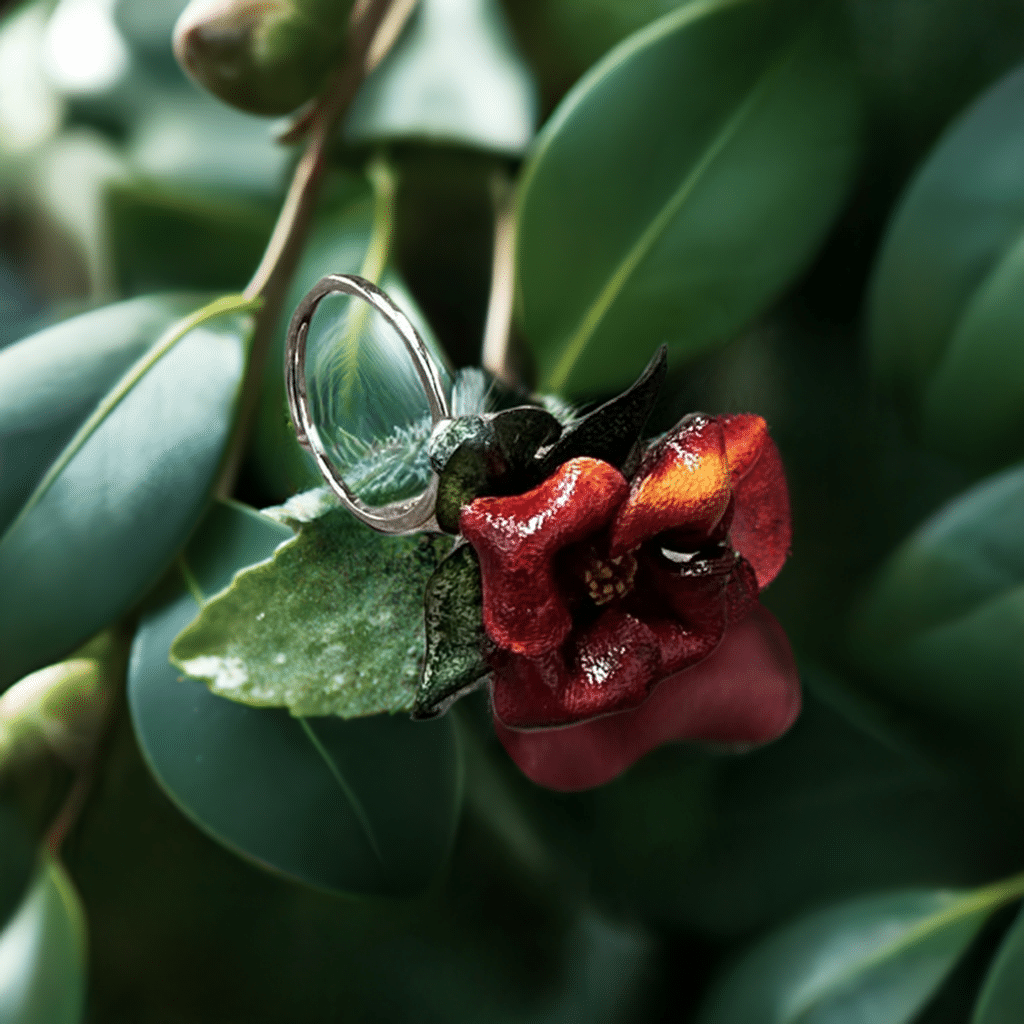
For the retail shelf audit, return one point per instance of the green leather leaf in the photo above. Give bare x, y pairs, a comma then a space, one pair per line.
945, 312
456, 641
366, 806
455, 75
878, 958
39, 411
679, 187
124, 493
43, 952
332, 624
1001, 1000
939, 630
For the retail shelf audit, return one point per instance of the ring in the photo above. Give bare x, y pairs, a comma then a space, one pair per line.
400, 517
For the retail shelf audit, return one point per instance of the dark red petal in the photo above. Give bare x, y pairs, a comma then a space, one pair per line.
682, 485
609, 667
746, 692
517, 537
761, 530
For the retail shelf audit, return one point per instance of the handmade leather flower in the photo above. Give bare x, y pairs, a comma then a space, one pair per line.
615, 602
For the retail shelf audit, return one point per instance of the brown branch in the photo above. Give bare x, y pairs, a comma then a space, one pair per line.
495, 355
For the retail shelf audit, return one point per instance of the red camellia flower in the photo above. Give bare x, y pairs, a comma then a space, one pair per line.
624, 613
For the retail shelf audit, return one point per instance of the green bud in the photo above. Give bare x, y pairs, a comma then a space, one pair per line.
262, 56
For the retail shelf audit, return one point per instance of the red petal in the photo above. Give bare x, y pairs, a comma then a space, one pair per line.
609, 667
761, 530
746, 692
682, 484
516, 539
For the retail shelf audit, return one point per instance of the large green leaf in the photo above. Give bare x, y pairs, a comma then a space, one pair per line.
42, 953
331, 625
678, 188
945, 312
1001, 1000
878, 959
939, 631
364, 806
123, 494
51, 381
455, 75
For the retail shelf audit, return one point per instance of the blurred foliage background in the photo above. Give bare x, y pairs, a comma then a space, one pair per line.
845, 261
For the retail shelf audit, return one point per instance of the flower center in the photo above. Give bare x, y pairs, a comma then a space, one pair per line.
609, 578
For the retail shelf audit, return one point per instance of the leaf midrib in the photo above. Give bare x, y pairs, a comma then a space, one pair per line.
615, 285
987, 899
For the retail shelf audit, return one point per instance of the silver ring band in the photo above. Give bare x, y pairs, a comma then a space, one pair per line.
400, 517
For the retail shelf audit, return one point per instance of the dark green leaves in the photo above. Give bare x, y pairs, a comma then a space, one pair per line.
331, 625
42, 950
875, 959
360, 806
455, 75
940, 629
125, 491
1002, 996
679, 187
454, 661
947, 311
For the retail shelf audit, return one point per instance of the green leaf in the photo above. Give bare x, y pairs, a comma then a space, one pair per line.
364, 806
43, 952
454, 662
945, 310
679, 187
455, 75
939, 631
51, 381
331, 625
125, 491
1001, 1000
878, 959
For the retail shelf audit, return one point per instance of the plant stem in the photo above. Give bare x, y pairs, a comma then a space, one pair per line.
497, 330
270, 282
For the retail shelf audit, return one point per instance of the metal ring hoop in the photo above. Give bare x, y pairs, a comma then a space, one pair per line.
400, 517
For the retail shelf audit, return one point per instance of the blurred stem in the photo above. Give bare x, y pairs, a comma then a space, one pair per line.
270, 282
497, 330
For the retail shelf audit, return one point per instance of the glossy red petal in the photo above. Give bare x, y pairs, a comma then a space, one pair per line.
517, 537
606, 668
761, 529
682, 485
746, 692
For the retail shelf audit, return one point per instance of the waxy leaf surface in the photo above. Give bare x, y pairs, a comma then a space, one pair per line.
1001, 1000
365, 806
946, 309
678, 188
878, 959
939, 631
331, 625
43, 952
123, 494
455, 75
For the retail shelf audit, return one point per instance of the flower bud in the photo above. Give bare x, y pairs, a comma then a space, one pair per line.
262, 56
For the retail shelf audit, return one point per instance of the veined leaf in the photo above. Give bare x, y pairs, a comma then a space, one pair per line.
878, 959
683, 182
332, 624
946, 311
366, 806
939, 631
124, 492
